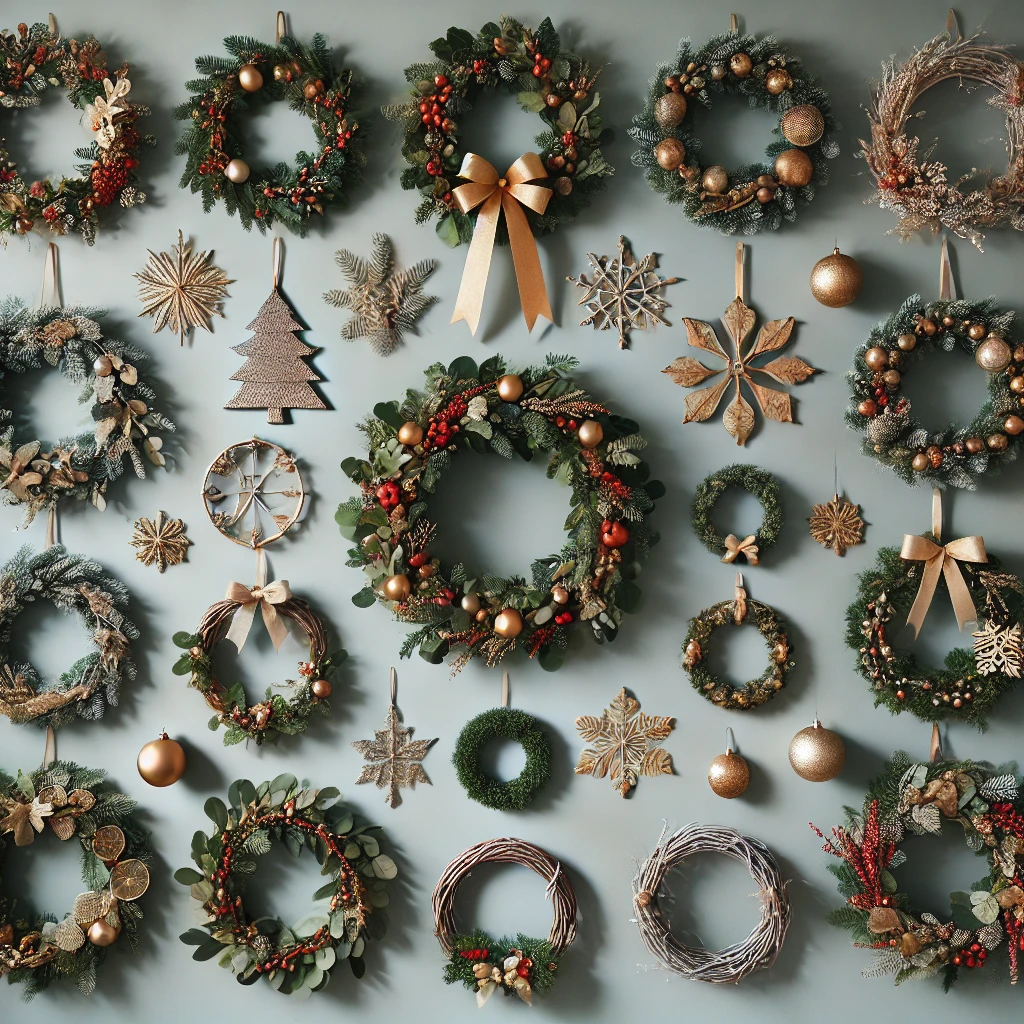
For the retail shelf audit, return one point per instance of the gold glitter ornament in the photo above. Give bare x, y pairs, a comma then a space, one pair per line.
837, 524
803, 125
729, 774
836, 280
817, 754
162, 541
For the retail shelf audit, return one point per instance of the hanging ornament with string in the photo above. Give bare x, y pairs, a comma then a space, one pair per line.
161, 762
729, 773
817, 754
837, 524
836, 280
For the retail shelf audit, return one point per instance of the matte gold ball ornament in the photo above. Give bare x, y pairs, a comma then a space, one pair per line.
161, 762
591, 433
670, 153
729, 774
793, 167
803, 125
993, 355
741, 64
817, 754
250, 78
510, 387
836, 280
508, 623
237, 171
321, 689
397, 587
410, 433
102, 933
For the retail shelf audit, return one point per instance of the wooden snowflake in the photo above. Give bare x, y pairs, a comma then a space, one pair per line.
624, 744
393, 758
162, 541
837, 524
997, 648
624, 294
738, 418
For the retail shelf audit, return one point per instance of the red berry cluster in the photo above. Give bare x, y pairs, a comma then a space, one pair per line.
564, 618
108, 180
444, 425
974, 956
541, 65
479, 67
1006, 819
474, 954
433, 115
389, 495
523, 970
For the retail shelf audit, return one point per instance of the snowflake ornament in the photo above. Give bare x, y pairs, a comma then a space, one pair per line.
162, 541
837, 524
997, 648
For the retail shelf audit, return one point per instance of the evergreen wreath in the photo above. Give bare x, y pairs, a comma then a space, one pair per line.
973, 679
757, 196
72, 583
106, 370
953, 455
297, 959
763, 486
486, 409
308, 78
503, 724
919, 799
38, 949
38, 58
546, 80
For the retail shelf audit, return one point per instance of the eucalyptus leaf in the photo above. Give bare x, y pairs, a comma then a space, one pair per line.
325, 958
384, 867
188, 876
216, 812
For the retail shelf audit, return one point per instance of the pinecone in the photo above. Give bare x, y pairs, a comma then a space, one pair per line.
131, 196
884, 430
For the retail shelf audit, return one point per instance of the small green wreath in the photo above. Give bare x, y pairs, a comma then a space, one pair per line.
954, 455
546, 80
305, 76
754, 197
503, 724
72, 583
763, 486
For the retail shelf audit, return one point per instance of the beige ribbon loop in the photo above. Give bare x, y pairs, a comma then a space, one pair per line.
264, 596
942, 560
493, 194
734, 547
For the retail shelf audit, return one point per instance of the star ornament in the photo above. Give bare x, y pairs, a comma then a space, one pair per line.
162, 541
837, 524
393, 758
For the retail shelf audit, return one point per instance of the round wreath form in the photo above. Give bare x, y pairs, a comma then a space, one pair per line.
920, 799
973, 679
31, 62
305, 76
954, 455
38, 949
763, 486
297, 960
757, 196
486, 409
503, 724
545, 79
72, 583
519, 966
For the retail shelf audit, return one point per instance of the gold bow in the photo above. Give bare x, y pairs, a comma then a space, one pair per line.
265, 595
493, 194
942, 560
735, 547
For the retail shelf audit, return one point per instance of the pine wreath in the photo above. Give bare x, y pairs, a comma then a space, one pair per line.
540, 410
908, 799
953, 455
757, 196
314, 86
546, 79
763, 486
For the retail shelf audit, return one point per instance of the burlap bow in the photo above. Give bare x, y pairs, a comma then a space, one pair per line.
493, 194
734, 547
942, 560
264, 595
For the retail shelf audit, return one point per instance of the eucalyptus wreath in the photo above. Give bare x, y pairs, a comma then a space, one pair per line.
763, 486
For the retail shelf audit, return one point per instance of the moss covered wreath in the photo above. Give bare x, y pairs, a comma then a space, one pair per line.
486, 409
763, 486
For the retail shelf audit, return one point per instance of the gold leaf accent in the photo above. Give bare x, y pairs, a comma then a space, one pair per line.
772, 336
738, 418
687, 372
787, 370
739, 318
776, 405
702, 404
702, 335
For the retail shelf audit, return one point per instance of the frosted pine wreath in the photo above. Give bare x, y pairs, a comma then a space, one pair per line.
538, 411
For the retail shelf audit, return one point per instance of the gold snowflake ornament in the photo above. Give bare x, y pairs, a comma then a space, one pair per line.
162, 541
837, 524
997, 648
393, 758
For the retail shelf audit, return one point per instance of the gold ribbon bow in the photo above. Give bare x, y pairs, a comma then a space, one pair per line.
734, 547
264, 595
492, 193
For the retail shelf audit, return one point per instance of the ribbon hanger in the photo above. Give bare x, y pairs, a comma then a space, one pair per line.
741, 251
49, 747
263, 595
947, 289
394, 685
277, 259
281, 29
504, 689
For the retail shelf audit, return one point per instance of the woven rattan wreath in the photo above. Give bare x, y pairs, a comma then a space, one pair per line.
519, 966
763, 486
754, 197
732, 964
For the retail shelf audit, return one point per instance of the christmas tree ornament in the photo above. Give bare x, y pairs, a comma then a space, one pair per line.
212, 143
299, 957
837, 524
182, 290
763, 486
385, 303
836, 280
731, 965
161, 762
817, 754
757, 196
739, 320
466, 407
515, 967
162, 541
729, 773
624, 294
625, 744
912, 799
37, 58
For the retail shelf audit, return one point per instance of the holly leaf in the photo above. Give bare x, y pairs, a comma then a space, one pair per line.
687, 372
787, 370
702, 404
702, 335
738, 419
772, 336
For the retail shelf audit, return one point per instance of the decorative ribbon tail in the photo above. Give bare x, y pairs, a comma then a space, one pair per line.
533, 293
266, 597
470, 301
484, 992
942, 561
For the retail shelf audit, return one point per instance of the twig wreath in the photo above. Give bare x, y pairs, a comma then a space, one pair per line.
38, 58
486, 409
299, 959
546, 80
757, 196
732, 964
308, 78
38, 949
72, 583
763, 486
503, 724
909, 799
519, 966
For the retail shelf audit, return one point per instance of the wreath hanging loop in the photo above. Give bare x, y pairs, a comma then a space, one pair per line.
763, 486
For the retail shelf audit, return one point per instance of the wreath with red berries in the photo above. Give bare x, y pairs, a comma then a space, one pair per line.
538, 411
305, 76
31, 61
546, 80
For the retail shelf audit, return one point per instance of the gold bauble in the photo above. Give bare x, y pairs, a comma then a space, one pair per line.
793, 167
591, 433
836, 280
892, 378
508, 623
103, 366
410, 433
321, 689
718, 72
510, 387
817, 754
313, 89
993, 355
162, 761
471, 603
237, 171
974, 445
868, 407
920, 462
281, 73
1013, 425
250, 78
729, 775
997, 442
741, 65
976, 332
876, 358
101, 933
765, 194
803, 125
777, 81
670, 109
397, 588
907, 342
670, 153
715, 179
1017, 385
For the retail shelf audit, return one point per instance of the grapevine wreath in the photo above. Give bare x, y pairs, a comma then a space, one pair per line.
953, 455
106, 371
305, 76
72, 583
763, 486
757, 196
919, 799
485, 408
38, 949
546, 80
298, 959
